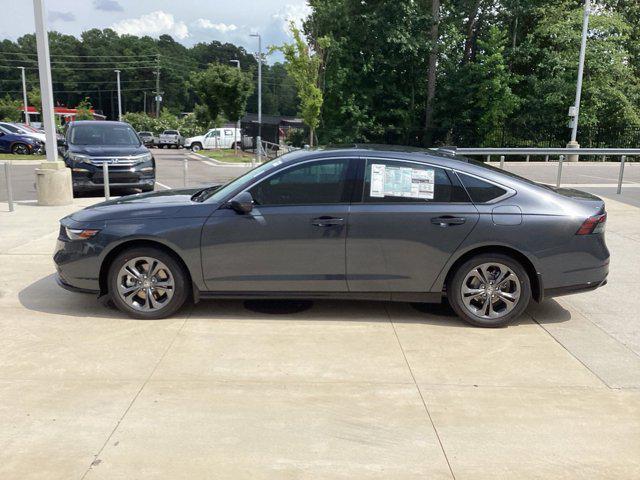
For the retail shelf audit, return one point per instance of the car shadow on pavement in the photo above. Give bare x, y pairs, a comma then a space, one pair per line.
46, 296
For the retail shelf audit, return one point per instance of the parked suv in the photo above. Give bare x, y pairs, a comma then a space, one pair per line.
89, 145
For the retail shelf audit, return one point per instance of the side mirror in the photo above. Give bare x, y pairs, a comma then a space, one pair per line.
242, 203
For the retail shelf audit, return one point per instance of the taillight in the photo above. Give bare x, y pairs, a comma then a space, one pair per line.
593, 224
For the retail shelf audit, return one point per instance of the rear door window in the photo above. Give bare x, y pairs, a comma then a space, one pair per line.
481, 191
392, 181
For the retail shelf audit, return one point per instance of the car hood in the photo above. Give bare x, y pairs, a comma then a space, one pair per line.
108, 150
162, 204
197, 138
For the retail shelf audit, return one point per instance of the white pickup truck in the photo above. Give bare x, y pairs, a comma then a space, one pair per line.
169, 139
214, 139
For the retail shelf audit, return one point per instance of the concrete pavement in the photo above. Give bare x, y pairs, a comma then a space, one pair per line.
340, 390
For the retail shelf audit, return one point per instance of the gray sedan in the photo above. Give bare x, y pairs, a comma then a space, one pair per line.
365, 223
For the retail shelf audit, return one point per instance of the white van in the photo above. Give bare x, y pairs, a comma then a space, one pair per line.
214, 139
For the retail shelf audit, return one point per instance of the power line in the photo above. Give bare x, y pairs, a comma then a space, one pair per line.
55, 55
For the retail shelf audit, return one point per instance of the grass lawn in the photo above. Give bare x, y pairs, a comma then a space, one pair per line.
227, 155
11, 156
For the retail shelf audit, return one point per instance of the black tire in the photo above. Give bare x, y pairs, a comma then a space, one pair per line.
181, 289
455, 286
20, 149
147, 188
196, 147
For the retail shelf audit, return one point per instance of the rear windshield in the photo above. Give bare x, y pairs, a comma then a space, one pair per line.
145, 134
98, 133
170, 132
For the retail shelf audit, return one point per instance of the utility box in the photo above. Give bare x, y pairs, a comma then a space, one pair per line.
53, 184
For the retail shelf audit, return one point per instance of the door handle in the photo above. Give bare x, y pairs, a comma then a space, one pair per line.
326, 221
448, 220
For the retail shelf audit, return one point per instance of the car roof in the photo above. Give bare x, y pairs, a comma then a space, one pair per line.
96, 122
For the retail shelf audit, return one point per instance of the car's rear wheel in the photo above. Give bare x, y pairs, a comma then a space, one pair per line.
489, 290
20, 149
147, 283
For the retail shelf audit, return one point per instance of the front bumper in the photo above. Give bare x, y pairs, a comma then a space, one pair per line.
118, 177
78, 264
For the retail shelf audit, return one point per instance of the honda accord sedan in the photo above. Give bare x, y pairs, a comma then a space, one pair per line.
365, 223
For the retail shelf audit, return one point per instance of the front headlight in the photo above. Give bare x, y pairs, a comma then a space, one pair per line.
76, 157
146, 157
79, 233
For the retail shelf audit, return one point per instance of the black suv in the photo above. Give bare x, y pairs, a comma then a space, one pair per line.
90, 144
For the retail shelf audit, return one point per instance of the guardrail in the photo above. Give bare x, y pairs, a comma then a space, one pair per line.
623, 153
7, 183
274, 150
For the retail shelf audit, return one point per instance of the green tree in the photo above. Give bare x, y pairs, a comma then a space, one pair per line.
84, 110
223, 89
303, 65
10, 109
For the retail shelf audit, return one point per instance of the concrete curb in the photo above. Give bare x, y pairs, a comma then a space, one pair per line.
217, 162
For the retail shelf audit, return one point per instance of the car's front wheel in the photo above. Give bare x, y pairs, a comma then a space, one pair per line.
196, 147
489, 290
147, 283
20, 149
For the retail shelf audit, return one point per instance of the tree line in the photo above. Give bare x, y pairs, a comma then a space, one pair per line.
421, 72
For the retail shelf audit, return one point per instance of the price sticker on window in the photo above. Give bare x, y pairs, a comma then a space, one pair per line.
390, 181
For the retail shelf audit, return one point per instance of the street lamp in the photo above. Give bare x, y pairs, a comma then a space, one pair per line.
24, 97
574, 112
119, 98
237, 62
259, 138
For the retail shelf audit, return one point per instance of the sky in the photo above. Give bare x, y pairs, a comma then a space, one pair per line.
187, 21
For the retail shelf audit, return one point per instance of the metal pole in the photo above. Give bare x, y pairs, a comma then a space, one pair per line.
237, 62
144, 103
185, 169
7, 179
546, 158
105, 180
157, 92
502, 162
259, 138
559, 171
488, 158
621, 176
527, 158
24, 97
583, 48
46, 89
119, 97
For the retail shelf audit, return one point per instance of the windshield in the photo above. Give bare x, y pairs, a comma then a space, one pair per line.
217, 194
11, 128
98, 133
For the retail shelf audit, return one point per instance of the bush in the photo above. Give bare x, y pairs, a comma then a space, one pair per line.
10, 109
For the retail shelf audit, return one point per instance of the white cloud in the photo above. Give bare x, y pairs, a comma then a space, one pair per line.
291, 13
153, 24
220, 27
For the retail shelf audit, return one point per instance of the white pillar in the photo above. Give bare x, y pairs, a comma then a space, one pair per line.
24, 97
119, 97
46, 89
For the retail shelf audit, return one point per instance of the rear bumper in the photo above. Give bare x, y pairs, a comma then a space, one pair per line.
571, 289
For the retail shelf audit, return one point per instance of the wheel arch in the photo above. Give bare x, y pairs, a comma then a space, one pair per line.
136, 243
537, 289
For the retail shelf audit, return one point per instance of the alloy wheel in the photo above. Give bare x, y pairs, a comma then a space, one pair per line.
145, 284
490, 290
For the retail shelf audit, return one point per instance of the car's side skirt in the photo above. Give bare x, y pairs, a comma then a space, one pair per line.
420, 297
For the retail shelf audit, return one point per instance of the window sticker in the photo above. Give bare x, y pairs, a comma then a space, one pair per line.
388, 181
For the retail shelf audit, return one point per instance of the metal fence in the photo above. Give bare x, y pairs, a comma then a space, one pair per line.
512, 136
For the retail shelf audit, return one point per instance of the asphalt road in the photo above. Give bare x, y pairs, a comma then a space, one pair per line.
169, 174
599, 178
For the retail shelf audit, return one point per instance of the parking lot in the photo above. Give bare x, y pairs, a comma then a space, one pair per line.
324, 389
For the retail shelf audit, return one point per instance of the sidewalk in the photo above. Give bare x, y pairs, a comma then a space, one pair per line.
341, 390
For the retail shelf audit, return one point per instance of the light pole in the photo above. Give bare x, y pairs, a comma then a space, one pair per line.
575, 111
46, 89
24, 97
259, 138
119, 97
237, 62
